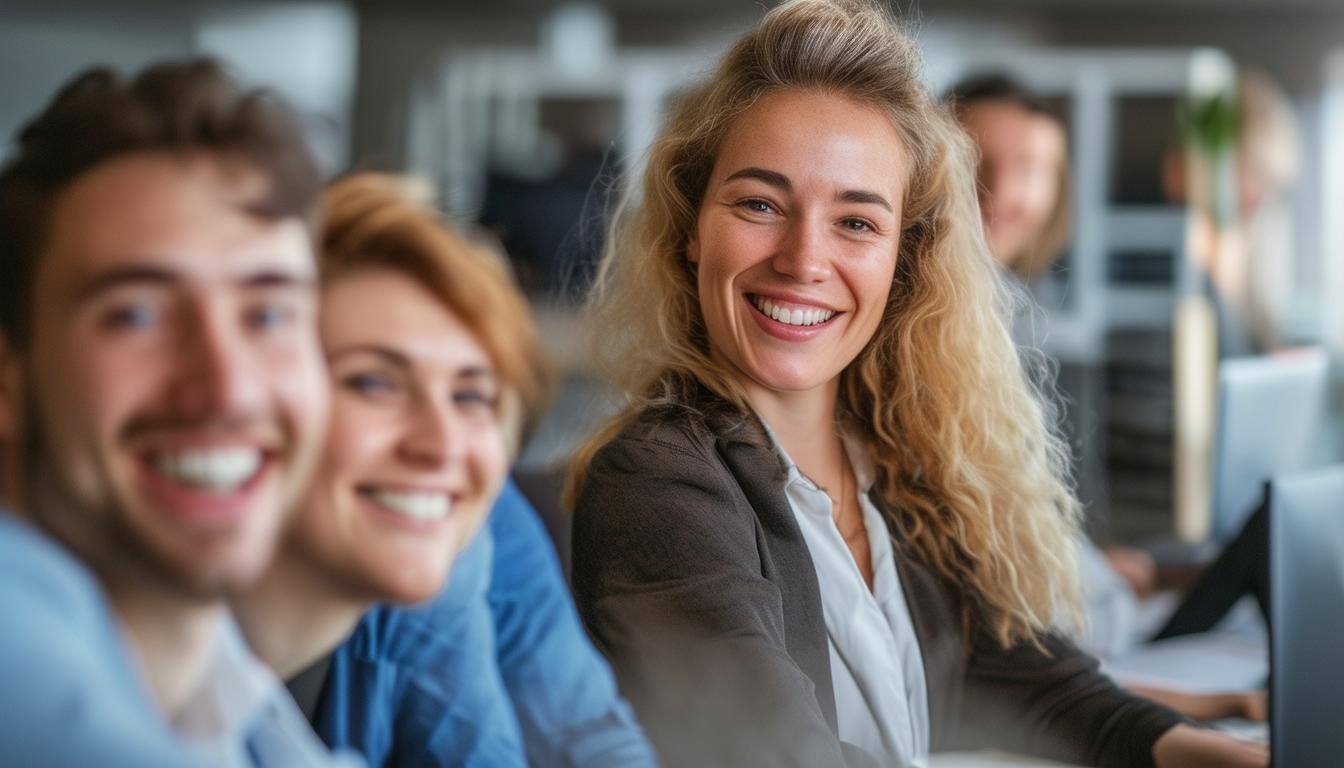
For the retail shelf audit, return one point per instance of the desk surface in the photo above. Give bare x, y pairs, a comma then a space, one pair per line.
1206, 663
1236, 658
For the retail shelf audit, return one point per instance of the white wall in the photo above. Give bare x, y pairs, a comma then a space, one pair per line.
306, 50
41, 47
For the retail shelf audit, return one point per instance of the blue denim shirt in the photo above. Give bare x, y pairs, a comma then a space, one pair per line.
69, 692
495, 671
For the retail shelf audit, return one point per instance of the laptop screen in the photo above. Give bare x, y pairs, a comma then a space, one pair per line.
1270, 412
1307, 616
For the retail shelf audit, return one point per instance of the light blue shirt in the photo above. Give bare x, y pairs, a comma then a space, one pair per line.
69, 692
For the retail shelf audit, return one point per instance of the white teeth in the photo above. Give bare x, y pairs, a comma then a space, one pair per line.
217, 469
418, 505
792, 317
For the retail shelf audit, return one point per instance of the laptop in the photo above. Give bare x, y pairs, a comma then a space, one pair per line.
1307, 618
1270, 413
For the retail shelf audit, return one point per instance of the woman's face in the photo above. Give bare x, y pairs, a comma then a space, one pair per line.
415, 453
1021, 154
796, 240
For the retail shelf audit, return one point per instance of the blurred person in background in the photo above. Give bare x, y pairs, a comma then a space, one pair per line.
162, 400
1268, 152
1250, 274
832, 526
434, 366
1022, 172
1023, 186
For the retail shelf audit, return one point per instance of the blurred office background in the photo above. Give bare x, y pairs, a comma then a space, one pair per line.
521, 116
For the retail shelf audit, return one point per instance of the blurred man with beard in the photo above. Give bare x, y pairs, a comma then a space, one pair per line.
162, 400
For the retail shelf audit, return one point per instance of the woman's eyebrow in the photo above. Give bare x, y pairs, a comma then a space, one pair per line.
863, 196
780, 181
477, 372
773, 178
388, 354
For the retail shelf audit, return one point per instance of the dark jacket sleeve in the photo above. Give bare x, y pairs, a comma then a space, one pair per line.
1056, 703
668, 578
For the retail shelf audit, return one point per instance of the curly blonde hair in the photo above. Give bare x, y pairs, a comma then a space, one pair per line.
964, 440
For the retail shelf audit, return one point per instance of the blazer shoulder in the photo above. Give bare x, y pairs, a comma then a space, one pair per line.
658, 440
663, 470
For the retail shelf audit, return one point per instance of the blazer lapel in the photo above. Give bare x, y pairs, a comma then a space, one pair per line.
937, 622
758, 472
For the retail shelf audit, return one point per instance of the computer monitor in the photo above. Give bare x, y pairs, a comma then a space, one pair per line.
1307, 618
1270, 411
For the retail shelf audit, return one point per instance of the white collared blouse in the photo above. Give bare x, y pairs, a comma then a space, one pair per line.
877, 670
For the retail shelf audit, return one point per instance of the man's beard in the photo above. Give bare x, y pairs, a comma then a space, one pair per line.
101, 534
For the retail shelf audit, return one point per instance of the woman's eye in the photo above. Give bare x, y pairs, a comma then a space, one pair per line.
476, 400
369, 383
856, 225
129, 317
756, 205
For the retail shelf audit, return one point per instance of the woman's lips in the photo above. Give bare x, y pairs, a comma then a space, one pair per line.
789, 321
420, 510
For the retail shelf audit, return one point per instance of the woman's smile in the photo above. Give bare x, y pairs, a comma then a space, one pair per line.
790, 321
797, 236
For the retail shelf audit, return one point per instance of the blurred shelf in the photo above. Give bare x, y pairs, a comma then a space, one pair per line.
1139, 307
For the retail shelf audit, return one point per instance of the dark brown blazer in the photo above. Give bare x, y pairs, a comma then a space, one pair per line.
693, 577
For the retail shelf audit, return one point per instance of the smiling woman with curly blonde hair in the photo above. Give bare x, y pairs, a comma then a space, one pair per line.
833, 523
